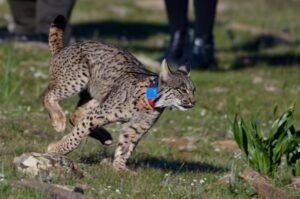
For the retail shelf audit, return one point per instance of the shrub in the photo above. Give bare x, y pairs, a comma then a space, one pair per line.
264, 152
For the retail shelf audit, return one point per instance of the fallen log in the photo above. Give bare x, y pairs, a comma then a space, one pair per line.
264, 187
52, 190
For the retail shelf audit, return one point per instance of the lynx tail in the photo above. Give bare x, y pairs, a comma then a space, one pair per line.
56, 34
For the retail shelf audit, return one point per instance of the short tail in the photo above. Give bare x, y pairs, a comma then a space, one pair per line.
56, 34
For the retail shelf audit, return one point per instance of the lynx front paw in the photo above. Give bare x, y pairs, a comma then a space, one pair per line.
54, 148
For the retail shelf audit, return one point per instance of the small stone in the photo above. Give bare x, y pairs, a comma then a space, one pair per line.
296, 181
30, 162
257, 80
271, 88
45, 165
2, 177
118, 191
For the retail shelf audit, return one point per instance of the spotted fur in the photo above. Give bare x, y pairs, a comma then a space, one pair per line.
56, 34
116, 83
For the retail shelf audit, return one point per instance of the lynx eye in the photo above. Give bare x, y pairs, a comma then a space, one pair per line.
185, 91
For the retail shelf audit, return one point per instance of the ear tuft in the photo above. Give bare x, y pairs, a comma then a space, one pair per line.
164, 71
186, 69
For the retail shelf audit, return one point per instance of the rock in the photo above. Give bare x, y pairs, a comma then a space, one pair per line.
30, 164
182, 143
296, 181
46, 165
229, 145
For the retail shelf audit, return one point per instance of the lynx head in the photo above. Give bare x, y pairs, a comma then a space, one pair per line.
176, 89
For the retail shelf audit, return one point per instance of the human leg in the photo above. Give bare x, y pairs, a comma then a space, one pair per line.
202, 55
177, 17
23, 12
47, 10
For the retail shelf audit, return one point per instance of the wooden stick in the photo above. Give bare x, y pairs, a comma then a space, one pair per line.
53, 191
263, 185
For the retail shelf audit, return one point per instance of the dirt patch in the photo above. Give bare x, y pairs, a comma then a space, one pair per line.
182, 143
229, 145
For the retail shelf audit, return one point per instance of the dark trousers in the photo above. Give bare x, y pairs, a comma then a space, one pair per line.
35, 16
205, 11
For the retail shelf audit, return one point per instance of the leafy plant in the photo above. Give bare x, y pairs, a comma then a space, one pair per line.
264, 152
8, 83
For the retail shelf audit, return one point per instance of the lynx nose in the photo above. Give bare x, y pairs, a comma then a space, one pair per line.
189, 102
186, 101
193, 102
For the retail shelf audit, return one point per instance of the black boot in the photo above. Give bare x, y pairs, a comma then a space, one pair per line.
202, 53
176, 48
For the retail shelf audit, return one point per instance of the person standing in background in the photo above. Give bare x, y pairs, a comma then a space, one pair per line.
32, 18
201, 53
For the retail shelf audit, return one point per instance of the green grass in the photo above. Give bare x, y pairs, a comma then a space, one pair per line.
254, 75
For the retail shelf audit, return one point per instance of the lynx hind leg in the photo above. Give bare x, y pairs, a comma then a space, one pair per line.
71, 141
56, 113
98, 133
62, 87
86, 104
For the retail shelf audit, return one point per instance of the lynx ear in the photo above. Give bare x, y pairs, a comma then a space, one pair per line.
164, 71
186, 69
